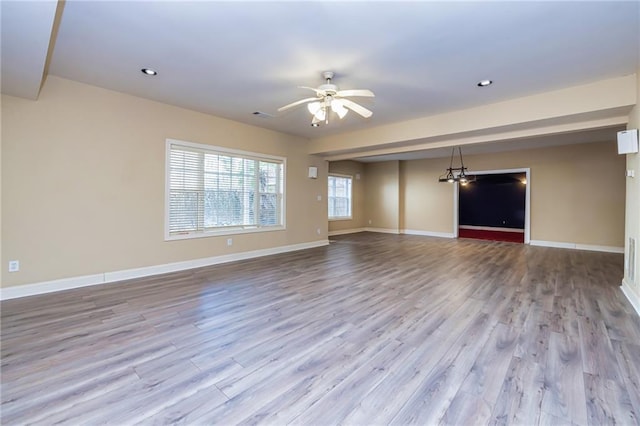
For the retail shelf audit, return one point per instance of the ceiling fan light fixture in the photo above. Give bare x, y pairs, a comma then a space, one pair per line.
317, 109
314, 107
338, 107
315, 122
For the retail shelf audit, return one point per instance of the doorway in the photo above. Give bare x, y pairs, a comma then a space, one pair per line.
494, 207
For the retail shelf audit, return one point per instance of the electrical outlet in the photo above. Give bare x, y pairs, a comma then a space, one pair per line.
229, 241
14, 265
319, 197
318, 231
369, 221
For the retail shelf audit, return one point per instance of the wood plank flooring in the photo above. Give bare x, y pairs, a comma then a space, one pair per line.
373, 329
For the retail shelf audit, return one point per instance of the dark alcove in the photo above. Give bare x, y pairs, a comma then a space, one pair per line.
493, 207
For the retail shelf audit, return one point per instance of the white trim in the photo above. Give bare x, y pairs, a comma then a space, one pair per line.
230, 231
632, 297
350, 177
340, 175
606, 249
427, 233
225, 150
492, 228
382, 230
555, 244
346, 231
14, 292
456, 208
577, 246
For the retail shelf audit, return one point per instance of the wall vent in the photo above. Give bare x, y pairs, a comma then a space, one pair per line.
262, 114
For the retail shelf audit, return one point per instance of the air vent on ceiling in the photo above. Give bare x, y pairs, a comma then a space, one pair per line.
262, 114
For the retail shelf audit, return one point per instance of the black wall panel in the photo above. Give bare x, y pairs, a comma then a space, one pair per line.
493, 200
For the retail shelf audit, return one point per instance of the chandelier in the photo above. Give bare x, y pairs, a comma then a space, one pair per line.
456, 174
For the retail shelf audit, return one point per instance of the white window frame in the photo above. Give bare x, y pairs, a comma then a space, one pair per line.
241, 229
350, 217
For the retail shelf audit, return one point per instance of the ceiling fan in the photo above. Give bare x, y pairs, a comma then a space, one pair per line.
329, 98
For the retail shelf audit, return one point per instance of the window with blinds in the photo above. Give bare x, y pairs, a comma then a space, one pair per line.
339, 197
213, 190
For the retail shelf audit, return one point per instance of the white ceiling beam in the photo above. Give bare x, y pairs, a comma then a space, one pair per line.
576, 106
549, 131
26, 32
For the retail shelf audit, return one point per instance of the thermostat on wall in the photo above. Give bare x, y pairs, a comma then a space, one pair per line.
313, 172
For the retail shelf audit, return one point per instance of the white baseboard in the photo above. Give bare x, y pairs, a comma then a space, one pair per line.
346, 231
14, 292
555, 244
427, 233
393, 231
576, 246
382, 230
632, 296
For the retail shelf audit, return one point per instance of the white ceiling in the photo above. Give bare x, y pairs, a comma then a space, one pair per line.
230, 59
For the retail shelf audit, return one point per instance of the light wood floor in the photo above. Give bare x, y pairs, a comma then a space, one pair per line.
374, 329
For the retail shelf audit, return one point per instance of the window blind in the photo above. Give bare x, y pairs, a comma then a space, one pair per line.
213, 190
339, 197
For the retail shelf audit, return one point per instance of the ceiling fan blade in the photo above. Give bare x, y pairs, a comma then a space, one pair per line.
319, 92
296, 103
359, 109
356, 92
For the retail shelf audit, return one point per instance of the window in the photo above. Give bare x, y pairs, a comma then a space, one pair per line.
213, 190
339, 197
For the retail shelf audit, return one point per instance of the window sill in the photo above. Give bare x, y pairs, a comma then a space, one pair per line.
194, 235
335, 219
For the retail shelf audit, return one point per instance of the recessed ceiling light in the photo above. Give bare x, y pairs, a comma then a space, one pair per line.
149, 71
484, 83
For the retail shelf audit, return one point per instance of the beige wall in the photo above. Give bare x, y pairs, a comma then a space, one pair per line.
632, 213
427, 204
353, 169
382, 191
82, 186
83, 181
577, 192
